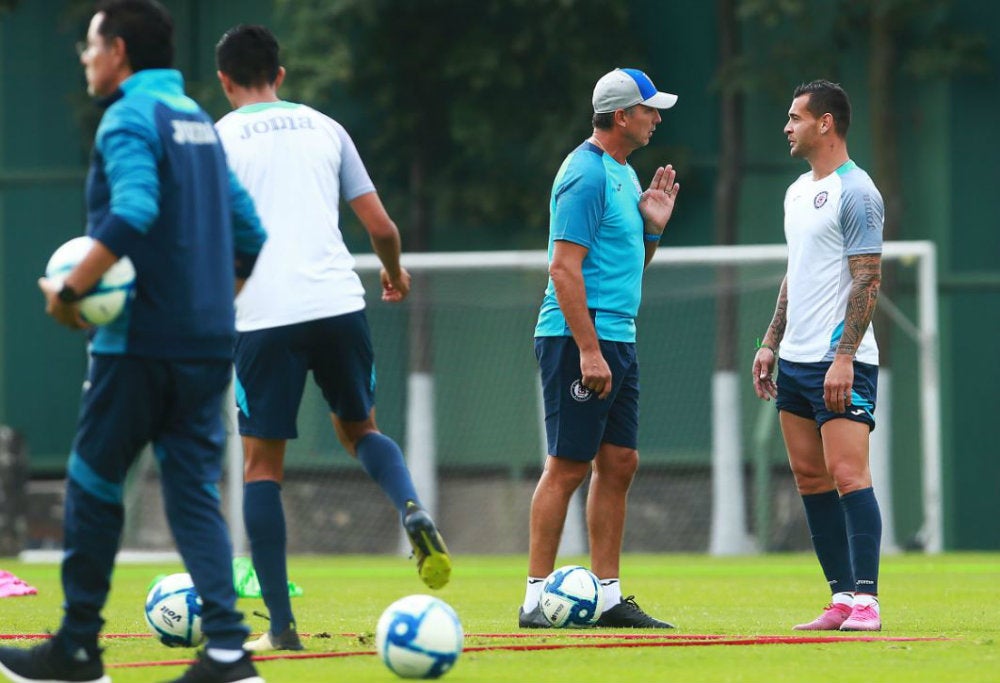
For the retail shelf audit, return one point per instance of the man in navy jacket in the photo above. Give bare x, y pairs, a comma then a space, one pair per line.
159, 191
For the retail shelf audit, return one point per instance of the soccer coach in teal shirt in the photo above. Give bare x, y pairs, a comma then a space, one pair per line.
603, 231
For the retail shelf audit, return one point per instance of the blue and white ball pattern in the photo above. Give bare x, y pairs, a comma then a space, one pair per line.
173, 611
571, 597
106, 301
419, 636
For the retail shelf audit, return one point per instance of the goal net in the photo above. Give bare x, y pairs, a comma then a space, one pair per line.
458, 389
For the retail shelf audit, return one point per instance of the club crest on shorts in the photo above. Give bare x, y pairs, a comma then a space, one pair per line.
820, 199
579, 392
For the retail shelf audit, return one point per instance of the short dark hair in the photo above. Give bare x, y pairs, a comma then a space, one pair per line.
606, 119
145, 26
248, 54
826, 97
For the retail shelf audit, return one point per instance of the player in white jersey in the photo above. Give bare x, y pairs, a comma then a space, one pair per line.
822, 340
304, 310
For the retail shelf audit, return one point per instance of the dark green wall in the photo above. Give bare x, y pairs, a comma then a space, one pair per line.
41, 177
948, 132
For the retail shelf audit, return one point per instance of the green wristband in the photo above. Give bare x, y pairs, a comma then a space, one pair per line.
761, 345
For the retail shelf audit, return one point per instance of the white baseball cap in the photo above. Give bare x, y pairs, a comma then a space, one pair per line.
623, 88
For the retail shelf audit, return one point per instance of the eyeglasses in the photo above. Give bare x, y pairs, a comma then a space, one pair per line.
83, 46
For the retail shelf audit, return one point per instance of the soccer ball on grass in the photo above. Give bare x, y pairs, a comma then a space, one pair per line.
173, 611
571, 597
419, 636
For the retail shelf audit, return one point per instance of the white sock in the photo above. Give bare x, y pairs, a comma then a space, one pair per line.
843, 599
612, 591
532, 592
224, 656
866, 600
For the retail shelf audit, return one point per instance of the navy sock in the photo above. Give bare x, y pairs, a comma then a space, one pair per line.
383, 461
829, 536
864, 534
264, 517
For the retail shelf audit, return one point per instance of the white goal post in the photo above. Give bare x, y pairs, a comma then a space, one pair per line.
729, 442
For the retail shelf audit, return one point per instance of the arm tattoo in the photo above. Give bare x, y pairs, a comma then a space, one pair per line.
776, 330
866, 277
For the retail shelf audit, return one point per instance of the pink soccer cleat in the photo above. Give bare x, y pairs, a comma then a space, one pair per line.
863, 618
831, 619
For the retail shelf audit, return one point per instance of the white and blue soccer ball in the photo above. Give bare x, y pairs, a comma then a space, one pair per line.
571, 597
419, 636
107, 299
173, 611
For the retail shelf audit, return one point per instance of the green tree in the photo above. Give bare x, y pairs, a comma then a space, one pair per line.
469, 107
728, 179
906, 42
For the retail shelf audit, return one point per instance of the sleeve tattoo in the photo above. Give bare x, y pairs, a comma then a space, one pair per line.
776, 330
866, 277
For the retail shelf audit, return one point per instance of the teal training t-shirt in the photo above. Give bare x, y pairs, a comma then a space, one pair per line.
595, 203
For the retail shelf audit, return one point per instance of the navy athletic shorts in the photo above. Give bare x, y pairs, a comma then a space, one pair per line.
800, 392
272, 364
577, 422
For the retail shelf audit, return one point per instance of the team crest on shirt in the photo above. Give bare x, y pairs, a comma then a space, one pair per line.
820, 199
579, 392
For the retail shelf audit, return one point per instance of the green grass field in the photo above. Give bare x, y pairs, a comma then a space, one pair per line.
953, 598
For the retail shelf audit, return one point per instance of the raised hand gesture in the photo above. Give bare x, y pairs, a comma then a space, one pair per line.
657, 203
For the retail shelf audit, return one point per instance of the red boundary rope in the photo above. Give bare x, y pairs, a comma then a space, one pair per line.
622, 640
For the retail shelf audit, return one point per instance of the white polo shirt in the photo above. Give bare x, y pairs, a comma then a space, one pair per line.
296, 163
826, 221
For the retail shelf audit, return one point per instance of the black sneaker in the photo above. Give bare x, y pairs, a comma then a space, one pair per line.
48, 662
628, 614
207, 670
532, 619
433, 561
286, 640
